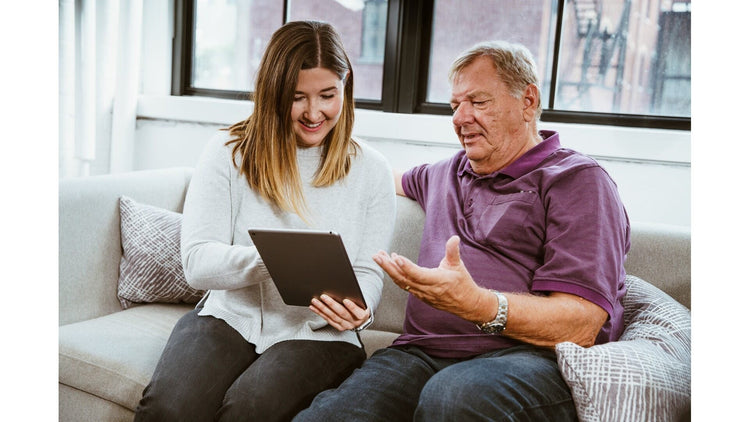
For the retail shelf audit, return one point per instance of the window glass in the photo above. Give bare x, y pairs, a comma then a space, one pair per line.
457, 26
231, 36
361, 24
229, 39
616, 56
625, 56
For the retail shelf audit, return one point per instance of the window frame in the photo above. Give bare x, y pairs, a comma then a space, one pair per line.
405, 70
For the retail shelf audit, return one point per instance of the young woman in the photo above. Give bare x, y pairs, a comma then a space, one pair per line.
243, 354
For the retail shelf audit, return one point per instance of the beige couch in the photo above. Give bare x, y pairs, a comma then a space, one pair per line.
107, 355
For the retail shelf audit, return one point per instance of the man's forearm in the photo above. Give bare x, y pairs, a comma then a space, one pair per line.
548, 320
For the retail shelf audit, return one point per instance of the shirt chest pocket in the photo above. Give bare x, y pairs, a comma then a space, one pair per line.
507, 217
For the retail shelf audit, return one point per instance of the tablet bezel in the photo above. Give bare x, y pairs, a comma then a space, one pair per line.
305, 263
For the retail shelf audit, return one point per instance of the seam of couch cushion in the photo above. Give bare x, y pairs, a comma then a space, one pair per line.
116, 390
80, 405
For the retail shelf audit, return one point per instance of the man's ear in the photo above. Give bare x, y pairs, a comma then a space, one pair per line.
530, 102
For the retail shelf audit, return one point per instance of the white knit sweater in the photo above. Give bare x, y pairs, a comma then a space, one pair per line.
217, 253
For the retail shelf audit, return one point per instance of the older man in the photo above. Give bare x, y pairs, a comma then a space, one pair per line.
523, 248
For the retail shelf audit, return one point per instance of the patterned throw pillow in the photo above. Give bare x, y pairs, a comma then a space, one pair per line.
151, 266
645, 376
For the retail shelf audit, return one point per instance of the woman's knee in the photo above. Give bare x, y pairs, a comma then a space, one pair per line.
158, 407
287, 377
261, 404
156, 412
238, 407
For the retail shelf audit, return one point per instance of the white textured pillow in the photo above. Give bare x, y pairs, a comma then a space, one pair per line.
151, 267
645, 376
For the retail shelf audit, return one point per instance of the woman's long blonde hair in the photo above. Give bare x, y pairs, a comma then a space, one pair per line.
265, 142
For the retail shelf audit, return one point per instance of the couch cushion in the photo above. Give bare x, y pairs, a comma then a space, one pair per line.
373, 339
151, 265
77, 405
114, 356
643, 376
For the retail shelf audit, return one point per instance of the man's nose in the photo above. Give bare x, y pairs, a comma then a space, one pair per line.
462, 114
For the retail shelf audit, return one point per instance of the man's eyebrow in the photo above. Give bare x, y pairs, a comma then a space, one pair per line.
479, 94
472, 95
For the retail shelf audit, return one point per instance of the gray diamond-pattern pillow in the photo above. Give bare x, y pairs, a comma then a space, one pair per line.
645, 376
151, 266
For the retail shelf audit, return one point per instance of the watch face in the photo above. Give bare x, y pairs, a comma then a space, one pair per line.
493, 328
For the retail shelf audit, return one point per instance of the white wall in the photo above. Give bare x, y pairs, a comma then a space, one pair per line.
654, 181
651, 191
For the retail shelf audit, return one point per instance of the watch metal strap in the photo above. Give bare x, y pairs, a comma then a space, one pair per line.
497, 325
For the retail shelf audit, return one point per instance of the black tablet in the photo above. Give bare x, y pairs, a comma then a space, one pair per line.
307, 263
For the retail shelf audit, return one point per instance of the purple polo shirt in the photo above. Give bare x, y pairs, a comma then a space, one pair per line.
550, 221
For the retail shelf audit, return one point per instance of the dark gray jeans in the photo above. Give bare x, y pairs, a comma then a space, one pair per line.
400, 383
208, 371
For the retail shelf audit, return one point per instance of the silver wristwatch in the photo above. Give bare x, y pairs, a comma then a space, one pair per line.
497, 325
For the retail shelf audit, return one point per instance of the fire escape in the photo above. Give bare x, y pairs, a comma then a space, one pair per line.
601, 48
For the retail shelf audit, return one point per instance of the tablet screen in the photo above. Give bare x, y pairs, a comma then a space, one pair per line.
307, 263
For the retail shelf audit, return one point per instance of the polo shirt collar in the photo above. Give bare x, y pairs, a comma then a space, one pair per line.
525, 163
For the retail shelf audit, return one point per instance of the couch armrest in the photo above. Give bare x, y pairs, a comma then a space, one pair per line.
89, 236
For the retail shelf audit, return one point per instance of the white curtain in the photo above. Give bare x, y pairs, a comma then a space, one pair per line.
100, 50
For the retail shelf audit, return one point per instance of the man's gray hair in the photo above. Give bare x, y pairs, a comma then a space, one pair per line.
514, 63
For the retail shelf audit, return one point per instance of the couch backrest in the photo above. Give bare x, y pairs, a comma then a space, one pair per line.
89, 234
660, 254
407, 237
90, 247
